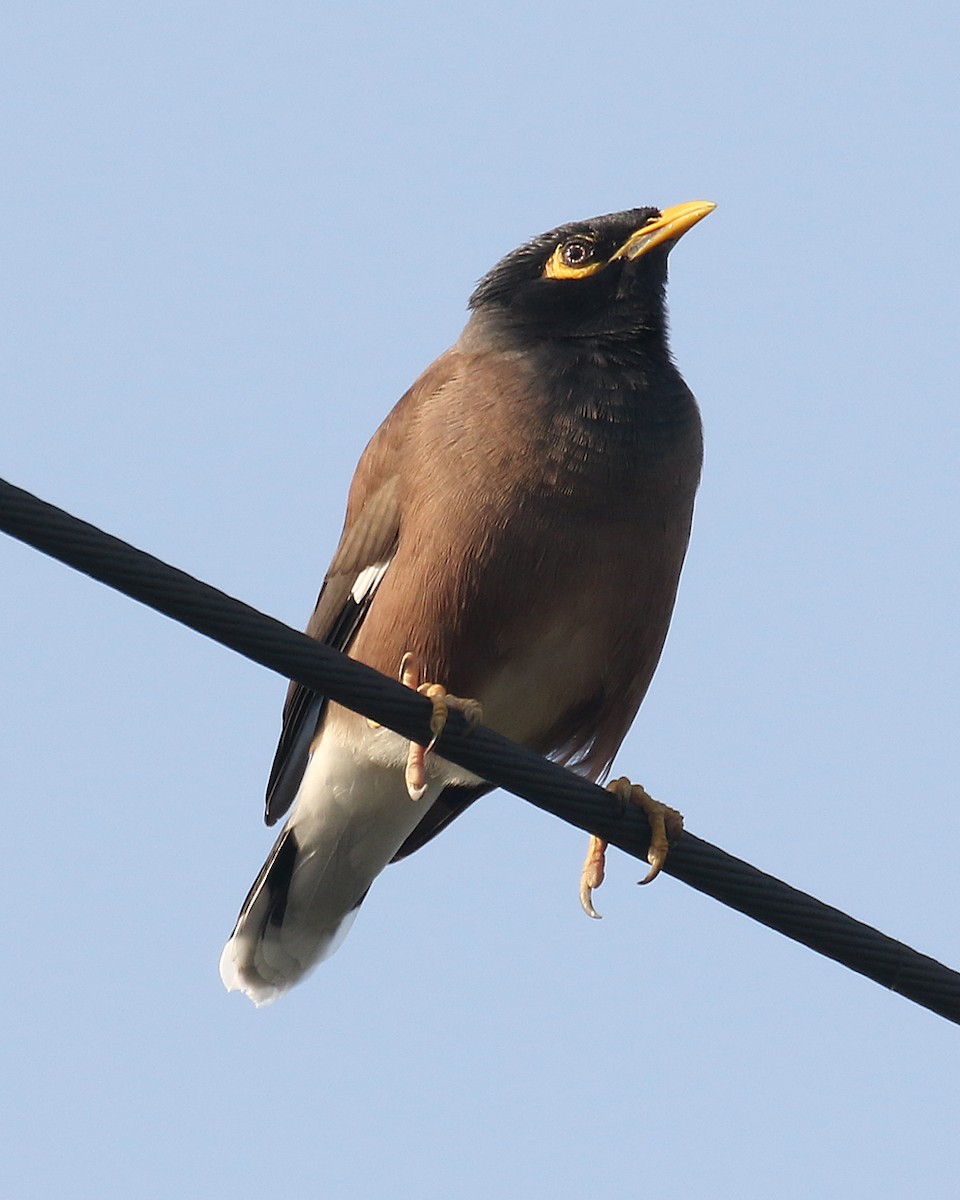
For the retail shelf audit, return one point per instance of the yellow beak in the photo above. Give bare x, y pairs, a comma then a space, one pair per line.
672, 223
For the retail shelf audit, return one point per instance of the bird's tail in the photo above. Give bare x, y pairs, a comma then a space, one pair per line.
282, 931
350, 817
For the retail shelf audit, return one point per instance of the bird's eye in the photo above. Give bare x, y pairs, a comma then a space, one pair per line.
576, 252
574, 259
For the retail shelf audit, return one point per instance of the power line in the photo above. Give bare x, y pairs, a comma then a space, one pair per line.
550, 787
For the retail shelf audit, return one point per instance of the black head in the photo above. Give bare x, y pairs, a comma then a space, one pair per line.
591, 278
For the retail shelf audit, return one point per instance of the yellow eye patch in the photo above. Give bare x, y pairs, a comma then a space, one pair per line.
573, 259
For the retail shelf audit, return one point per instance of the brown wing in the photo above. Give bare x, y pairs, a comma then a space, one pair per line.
341, 607
369, 540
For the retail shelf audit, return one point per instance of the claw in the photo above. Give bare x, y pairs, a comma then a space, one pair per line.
592, 874
657, 853
409, 675
415, 772
666, 825
437, 695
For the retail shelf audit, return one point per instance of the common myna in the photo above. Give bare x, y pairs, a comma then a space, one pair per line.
514, 532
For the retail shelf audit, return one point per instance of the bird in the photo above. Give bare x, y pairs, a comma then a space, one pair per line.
512, 547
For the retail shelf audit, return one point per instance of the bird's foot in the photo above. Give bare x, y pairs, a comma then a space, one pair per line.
666, 825
592, 874
415, 774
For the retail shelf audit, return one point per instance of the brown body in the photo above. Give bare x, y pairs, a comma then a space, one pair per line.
517, 526
509, 509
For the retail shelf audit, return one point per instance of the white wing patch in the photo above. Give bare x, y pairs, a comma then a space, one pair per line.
368, 580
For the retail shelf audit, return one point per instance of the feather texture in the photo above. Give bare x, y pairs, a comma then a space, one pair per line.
518, 524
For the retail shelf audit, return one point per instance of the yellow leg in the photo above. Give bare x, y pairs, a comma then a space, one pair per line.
592, 874
666, 825
415, 773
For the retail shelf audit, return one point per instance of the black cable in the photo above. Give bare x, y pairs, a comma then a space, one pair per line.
550, 787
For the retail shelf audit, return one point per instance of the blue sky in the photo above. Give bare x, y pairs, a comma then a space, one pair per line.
232, 236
